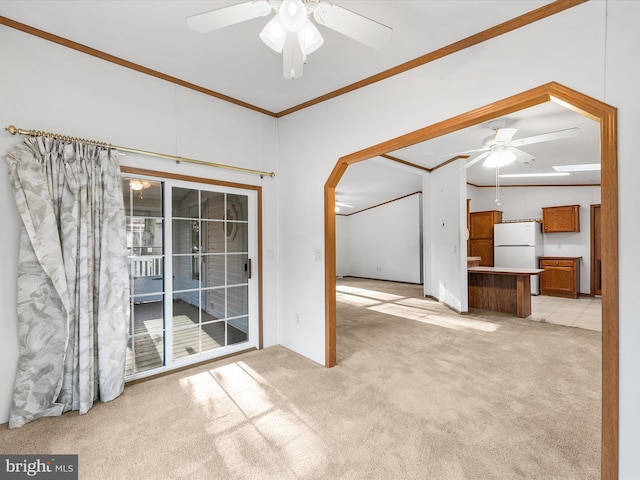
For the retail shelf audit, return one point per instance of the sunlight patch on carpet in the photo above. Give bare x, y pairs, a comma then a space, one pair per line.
368, 293
355, 300
418, 314
261, 432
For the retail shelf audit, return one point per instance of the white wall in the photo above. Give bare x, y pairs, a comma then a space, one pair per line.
383, 242
622, 77
94, 99
447, 279
568, 48
47, 87
527, 202
343, 264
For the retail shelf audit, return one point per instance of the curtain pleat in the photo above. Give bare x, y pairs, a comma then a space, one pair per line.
73, 280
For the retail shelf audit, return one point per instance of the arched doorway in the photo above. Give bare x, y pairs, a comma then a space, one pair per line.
606, 115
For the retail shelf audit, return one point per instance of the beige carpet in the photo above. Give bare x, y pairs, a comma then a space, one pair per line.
419, 393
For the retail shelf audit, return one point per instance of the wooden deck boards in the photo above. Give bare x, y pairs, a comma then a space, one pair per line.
188, 337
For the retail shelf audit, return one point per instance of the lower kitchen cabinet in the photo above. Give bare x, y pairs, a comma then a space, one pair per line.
561, 276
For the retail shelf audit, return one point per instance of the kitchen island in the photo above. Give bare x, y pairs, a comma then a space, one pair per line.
501, 289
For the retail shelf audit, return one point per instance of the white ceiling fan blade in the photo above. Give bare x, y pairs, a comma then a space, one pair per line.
345, 205
292, 57
353, 25
545, 137
521, 156
475, 160
483, 149
504, 135
223, 17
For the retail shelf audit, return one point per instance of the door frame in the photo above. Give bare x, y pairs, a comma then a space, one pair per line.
209, 181
606, 116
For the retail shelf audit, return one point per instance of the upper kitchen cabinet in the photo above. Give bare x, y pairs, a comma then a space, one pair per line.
565, 218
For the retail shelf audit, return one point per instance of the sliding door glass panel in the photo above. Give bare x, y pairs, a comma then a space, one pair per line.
186, 309
186, 272
184, 203
215, 303
212, 205
237, 207
237, 237
185, 321
147, 316
186, 236
145, 248
237, 330
213, 270
237, 266
237, 301
207, 290
186, 341
213, 236
149, 351
213, 335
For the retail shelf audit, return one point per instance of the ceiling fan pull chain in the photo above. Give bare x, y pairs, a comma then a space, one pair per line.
498, 185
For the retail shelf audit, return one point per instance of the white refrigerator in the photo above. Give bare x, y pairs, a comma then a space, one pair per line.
518, 245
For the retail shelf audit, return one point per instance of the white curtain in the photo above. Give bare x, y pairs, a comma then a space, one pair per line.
73, 281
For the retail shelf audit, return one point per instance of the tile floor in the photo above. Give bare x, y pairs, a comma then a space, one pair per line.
581, 312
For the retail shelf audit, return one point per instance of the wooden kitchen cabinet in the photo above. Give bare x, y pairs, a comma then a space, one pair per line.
481, 235
565, 218
483, 248
561, 276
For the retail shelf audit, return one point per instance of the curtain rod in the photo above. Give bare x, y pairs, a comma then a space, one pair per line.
36, 133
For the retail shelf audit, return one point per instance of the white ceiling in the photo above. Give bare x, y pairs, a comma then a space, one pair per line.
581, 149
233, 61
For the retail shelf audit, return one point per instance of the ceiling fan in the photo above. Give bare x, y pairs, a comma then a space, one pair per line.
290, 31
499, 149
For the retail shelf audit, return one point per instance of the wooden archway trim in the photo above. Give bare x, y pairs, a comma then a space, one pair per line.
606, 115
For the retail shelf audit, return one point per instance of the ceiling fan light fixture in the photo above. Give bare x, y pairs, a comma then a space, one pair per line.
136, 184
292, 14
274, 35
309, 38
499, 157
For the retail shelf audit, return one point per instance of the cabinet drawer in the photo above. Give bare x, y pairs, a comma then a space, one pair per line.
556, 263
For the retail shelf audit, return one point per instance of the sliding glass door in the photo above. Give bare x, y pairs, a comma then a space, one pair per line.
193, 295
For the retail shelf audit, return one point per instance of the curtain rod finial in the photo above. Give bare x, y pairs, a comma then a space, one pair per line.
11, 129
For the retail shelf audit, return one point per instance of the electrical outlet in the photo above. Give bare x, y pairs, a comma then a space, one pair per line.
298, 318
